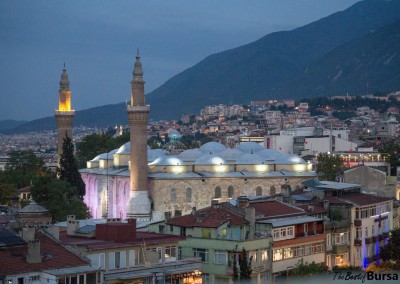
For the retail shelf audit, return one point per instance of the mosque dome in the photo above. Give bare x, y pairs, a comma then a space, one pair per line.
33, 207
288, 159
249, 147
212, 147
269, 154
210, 159
231, 154
124, 149
251, 159
97, 158
174, 134
167, 161
154, 154
190, 155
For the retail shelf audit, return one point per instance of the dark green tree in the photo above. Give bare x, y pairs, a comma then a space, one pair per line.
68, 170
244, 265
7, 193
328, 166
390, 149
391, 252
305, 269
60, 198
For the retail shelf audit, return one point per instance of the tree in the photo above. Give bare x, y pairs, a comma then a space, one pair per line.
328, 166
7, 192
243, 272
391, 252
60, 198
390, 149
68, 170
304, 268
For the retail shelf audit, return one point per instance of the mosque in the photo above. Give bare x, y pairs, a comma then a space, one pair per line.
135, 181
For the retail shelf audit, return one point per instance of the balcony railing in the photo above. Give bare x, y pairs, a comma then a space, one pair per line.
357, 223
340, 248
307, 234
357, 242
337, 224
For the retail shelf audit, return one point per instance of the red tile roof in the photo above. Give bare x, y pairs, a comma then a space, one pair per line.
209, 218
275, 209
317, 208
13, 260
365, 199
141, 237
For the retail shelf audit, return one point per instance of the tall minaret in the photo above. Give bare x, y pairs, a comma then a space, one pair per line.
64, 115
138, 206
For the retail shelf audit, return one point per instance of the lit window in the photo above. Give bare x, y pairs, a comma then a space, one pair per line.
264, 255
277, 254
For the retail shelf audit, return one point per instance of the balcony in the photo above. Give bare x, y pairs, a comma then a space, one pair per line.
307, 234
368, 241
337, 224
340, 248
375, 239
357, 223
260, 266
357, 242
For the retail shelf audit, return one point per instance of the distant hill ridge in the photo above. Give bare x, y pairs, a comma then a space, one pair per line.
332, 56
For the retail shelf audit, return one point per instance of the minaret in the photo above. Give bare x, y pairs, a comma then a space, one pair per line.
64, 115
138, 206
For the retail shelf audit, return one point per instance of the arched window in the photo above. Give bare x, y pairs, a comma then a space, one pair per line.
258, 191
230, 191
188, 194
272, 190
217, 192
173, 195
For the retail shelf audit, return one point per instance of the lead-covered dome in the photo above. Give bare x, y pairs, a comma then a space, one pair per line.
190, 155
212, 147
249, 147
210, 159
154, 154
124, 149
167, 161
251, 159
231, 154
269, 154
289, 159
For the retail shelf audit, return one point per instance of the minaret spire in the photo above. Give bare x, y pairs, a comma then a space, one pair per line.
64, 114
139, 204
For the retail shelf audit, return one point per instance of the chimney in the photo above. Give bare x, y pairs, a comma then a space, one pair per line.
310, 208
34, 252
54, 231
326, 204
28, 233
72, 225
250, 216
243, 201
194, 210
214, 203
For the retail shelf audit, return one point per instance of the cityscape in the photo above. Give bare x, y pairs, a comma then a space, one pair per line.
277, 189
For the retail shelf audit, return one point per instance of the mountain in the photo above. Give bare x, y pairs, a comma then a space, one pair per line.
10, 124
103, 116
257, 71
332, 56
367, 64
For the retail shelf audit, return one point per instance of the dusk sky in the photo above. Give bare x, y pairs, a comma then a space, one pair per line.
98, 40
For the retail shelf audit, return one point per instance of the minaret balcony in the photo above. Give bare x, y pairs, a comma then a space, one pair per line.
64, 112
138, 108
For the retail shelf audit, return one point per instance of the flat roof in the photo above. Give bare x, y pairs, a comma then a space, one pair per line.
290, 221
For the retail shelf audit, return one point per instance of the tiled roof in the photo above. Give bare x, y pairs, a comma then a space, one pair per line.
53, 256
317, 208
365, 199
209, 218
275, 209
141, 237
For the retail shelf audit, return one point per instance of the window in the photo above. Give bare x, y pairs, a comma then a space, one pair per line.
373, 230
253, 256
358, 233
298, 251
183, 231
161, 229
264, 255
217, 192
117, 259
223, 233
315, 227
288, 253
276, 234
290, 231
306, 229
188, 194
206, 233
319, 248
308, 249
170, 253
328, 240
230, 191
167, 215
340, 238
201, 253
178, 213
366, 232
358, 253
272, 191
277, 255
220, 257
258, 191
283, 232
173, 195
35, 278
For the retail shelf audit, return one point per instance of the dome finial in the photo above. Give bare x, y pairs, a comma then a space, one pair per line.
137, 53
